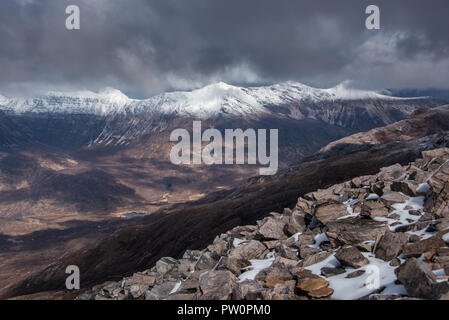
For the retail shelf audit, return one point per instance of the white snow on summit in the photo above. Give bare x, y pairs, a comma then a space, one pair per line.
212, 100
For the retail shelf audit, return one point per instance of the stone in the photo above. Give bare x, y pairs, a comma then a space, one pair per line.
161, 291
395, 262
406, 187
286, 252
138, 291
306, 239
296, 223
391, 198
251, 290
288, 263
281, 291
339, 232
314, 259
305, 252
355, 274
276, 271
416, 249
362, 234
249, 250
139, 278
439, 203
420, 282
217, 285
391, 173
373, 209
325, 196
390, 245
304, 205
219, 248
272, 229
364, 247
207, 261
270, 283
330, 272
330, 211
165, 265
309, 284
351, 257
236, 266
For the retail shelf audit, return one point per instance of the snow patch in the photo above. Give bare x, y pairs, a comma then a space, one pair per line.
256, 267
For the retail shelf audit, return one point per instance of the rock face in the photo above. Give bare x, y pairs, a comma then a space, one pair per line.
385, 220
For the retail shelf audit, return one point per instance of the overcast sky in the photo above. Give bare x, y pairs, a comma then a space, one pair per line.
145, 47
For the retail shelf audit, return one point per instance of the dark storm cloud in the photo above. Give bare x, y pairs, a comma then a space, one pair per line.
145, 47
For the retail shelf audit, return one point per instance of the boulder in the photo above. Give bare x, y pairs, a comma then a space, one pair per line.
330, 211
272, 229
373, 209
408, 188
281, 291
314, 259
249, 250
392, 173
296, 223
304, 205
165, 265
161, 291
218, 285
391, 198
420, 282
390, 245
362, 234
416, 249
276, 272
207, 261
315, 287
351, 257
355, 274
251, 290
368, 229
330, 272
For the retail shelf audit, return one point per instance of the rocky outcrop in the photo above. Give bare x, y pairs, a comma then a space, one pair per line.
329, 246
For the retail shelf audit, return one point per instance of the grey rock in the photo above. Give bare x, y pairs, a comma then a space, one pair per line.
165, 265
330, 211
420, 282
218, 285
351, 257
330, 272
272, 229
390, 245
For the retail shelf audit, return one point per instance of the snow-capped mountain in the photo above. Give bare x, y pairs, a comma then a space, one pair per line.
307, 118
210, 101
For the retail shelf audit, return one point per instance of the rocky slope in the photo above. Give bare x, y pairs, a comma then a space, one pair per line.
382, 236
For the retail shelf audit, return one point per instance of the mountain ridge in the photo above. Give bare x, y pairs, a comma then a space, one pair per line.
209, 101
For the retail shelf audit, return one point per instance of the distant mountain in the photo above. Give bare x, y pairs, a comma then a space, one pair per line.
109, 118
210, 101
